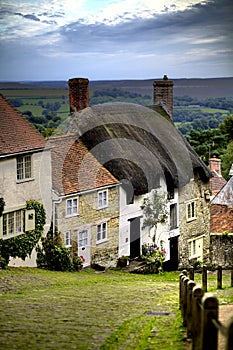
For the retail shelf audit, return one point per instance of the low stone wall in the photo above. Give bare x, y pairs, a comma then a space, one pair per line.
221, 250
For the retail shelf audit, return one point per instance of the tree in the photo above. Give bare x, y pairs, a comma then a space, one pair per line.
227, 160
155, 211
227, 127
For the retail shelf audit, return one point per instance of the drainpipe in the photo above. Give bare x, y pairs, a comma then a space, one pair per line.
55, 200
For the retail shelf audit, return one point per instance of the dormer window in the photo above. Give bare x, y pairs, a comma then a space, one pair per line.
24, 168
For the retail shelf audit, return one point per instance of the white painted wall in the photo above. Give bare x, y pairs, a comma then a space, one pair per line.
16, 194
130, 211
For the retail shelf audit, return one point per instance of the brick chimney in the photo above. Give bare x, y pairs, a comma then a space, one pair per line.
79, 94
215, 165
163, 94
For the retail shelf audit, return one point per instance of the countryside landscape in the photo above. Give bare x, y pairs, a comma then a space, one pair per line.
111, 309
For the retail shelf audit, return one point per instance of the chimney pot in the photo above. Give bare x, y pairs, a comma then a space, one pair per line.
79, 94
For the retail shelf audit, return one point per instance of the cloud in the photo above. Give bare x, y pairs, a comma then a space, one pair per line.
31, 17
184, 39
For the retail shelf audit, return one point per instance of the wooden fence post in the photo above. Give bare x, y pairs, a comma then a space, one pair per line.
209, 333
204, 278
185, 287
191, 273
196, 317
229, 335
182, 277
219, 277
190, 286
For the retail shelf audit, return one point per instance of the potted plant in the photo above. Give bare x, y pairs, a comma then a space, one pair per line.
122, 261
78, 262
154, 256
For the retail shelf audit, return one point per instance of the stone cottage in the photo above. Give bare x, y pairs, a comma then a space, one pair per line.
85, 202
221, 228
25, 174
143, 150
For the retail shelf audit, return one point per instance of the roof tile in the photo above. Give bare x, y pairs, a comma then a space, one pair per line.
17, 134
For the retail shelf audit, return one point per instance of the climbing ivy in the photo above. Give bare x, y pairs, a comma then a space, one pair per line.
22, 246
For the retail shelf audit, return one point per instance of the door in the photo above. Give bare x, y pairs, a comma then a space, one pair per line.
172, 264
134, 237
84, 248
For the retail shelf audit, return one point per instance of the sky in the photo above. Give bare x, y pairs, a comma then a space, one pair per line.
115, 39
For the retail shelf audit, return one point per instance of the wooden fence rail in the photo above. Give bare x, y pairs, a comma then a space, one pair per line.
200, 316
205, 275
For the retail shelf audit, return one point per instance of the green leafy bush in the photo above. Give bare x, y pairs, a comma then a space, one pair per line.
52, 255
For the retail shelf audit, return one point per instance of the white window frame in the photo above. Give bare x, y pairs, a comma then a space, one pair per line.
83, 238
195, 247
24, 168
13, 223
102, 199
72, 207
67, 239
101, 232
191, 208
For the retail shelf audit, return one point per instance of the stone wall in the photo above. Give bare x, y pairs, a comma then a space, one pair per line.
221, 250
89, 216
200, 226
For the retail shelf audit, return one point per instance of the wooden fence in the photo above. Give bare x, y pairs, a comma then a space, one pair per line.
200, 316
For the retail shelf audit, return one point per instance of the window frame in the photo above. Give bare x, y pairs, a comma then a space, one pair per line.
191, 210
67, 239
71, 210
103, 201
100, 230
13, 223
173, 216
195, 247
24, 168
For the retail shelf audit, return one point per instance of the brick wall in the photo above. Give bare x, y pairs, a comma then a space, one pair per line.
163, 93
221, 218
79, 94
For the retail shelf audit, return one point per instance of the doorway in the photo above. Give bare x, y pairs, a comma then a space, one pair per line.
135, 237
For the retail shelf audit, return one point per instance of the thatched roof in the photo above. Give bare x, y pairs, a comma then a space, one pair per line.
136, 143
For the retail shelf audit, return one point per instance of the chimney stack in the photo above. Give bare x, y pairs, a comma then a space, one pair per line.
163, 94
79, 94
215, 165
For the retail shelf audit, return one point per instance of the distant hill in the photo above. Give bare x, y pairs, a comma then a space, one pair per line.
213, 87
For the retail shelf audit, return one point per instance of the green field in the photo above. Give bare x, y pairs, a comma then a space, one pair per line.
92, 310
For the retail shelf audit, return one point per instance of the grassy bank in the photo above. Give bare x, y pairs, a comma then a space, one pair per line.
89, 310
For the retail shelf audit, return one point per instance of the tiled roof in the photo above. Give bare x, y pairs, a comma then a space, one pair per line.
216, 183
16, 133
74, 168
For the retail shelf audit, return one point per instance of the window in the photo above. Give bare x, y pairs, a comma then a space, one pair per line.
173, 216
72, 207
67, 239
83, 238
191, 211
13, 223
101, 232
24, 168
102, 199
195, 248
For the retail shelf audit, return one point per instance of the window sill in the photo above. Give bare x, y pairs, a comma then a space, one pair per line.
71, 216
191, 219
100, 208
101, 241
25, 180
